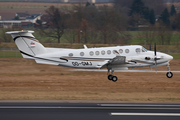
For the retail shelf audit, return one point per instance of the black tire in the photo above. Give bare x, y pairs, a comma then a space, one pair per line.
110, 77
114, 78
169, 74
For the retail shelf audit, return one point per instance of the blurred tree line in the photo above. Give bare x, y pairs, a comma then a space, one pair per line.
88, 23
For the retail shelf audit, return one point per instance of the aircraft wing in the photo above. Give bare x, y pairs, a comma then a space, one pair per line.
115, 61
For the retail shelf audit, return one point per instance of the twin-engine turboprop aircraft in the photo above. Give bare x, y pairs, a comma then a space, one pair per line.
112, 58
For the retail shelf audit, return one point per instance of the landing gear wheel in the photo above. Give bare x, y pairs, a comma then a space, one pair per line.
169, 74
110, 77
114, 78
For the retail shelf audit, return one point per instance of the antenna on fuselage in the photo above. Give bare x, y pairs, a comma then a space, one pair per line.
85, 47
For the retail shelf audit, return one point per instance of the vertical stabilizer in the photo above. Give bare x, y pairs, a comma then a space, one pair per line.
28, 45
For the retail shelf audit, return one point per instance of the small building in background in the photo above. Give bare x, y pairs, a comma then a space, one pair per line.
10, 23
22, 16
25, 24
34, 17
24, 21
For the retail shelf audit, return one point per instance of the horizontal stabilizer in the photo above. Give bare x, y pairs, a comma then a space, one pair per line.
19, 32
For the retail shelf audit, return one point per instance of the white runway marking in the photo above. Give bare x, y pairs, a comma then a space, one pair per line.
146, 114
135, 105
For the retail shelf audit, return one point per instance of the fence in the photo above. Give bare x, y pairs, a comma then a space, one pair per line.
10, 53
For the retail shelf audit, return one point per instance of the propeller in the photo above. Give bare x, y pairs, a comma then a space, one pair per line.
155, 57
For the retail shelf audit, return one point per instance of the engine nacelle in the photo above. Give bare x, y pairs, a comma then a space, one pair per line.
147, 58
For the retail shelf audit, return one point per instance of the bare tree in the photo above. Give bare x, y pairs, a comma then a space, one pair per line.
165, 35
78, 13
84, 28
98, 23
4, 37
55, 24
124, 5
110, 22
150, 36
156, 5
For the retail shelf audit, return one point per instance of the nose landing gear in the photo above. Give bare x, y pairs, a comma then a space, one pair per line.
111, 75
169, 74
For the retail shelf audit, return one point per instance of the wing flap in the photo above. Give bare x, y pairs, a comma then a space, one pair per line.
118, 60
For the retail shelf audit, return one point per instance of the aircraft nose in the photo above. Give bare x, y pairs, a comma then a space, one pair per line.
169, 57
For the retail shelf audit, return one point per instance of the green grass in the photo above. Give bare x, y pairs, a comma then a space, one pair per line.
10, 54
139, 37
176, 56
136, 37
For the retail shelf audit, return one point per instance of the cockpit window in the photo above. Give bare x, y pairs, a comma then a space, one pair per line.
144, 49
138, 50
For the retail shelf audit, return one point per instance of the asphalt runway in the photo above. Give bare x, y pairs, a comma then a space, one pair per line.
88, 111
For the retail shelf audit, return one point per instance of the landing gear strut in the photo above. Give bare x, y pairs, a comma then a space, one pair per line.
169, 74
111, 75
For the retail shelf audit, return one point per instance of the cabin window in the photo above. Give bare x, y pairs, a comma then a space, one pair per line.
91, 53
120, 51
103, 52
127, 50
138, 50
108, 52
97, 52
70, 54
81, 53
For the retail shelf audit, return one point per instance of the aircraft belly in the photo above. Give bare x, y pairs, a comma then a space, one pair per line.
46, 62
126, 66
52, 61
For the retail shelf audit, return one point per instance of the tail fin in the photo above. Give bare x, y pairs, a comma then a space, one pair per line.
28, 45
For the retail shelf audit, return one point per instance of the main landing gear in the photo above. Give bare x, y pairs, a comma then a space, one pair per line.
111, 75
169, 74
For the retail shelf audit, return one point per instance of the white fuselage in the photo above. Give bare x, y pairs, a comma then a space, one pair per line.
95, 57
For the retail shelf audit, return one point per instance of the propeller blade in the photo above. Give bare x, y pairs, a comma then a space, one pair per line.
155, 57
155, 49
149, 46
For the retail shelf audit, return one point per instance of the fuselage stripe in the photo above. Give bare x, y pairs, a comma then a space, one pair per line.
86, 59
32, 38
